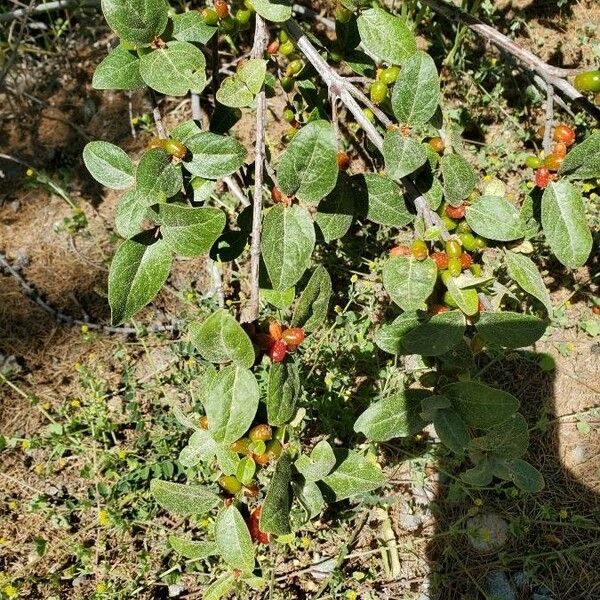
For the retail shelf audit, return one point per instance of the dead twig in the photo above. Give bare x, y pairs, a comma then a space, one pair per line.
549, 119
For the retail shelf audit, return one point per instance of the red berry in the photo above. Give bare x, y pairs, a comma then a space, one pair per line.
222, 9
343, 161
258, 536
400, 251
279, 197
293, 336
273, 47
277, 351
563, 133
465, 260
438, 309
542, 178
480, 306
275, 330
456, 212
441, 260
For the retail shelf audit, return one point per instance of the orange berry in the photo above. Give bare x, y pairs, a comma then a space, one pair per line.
437, 145
564, 133
465, 260
275, 329
222, 9
343, 161
293, 336
456, 212
441, 260
400, 251
204, 422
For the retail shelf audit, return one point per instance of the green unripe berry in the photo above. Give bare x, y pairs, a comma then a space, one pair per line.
389, 75
336, 54
476, 270
287, 83
243, 16
229, 24
480, 243
283, 36
588, 82
342, 14
454, 266
378, 91
248, 4
463, 227
419, 249
453, 249
468, 241
288, 115
230, 484
294, 67
533, 162
445, 276
286, 48
210, 16
369, 114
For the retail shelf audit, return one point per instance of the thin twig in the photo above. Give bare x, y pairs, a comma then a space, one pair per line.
196, 109
555, 76
160, 128
261, 39
59, 315
345, 91
549, 119
236, 190
216, 80
46, 7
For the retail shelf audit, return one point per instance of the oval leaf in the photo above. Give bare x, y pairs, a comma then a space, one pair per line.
525, 273
183, 499
509, 439
386, 204
233, 539
109, 165
311, 309
436, 336
318, 464
282, 392
221, 339
417, 90
495, 218
408, 281
192, 549
120, 70
402, 155
308, 168
510, 329
275, 515
273, 10
583, 161
137, 21
336, 212
138, 271
129, 215
459, 178
190, 27
156, 177
288, 239
565, 225
451, 429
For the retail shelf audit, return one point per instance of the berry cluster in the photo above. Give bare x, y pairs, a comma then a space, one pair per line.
221, 14
546, 167
278, 342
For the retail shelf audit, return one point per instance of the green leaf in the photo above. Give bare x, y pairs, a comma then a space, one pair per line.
583, 161
231, 403
192, 549
408, 281
109, 165
219, 588
336, 212
525, 476
138, 271
386, 36
310, 497
213, 155
175, 70
417, 90
278, 298
525, 273
480, 475
402, 155
227, 459
510, 329
509, 439
275, 515
318, 464
245, 470
282, 392
156, 177
308, 168
480, 405
120, 70
451, 429
137, 21
436, 336
200, 447
393, 417
129, 215
459, 178
431, 404
353, 474
233, 539
190, 27
273, 10
311, 309
188, 231
495, 218
386, 204
240, 89
389, 337
466, 299
183, 499
288, 239
564, 223
221, 339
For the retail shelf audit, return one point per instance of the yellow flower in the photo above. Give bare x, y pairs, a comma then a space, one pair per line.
478, 502
493, 61
13, 505
354, 278
135, 120
306, 542
38, 469
351, 595
191, 361
564, 513
47, 405
75, 403
337, 308
101, 587
10, 591
371, 265
29, 172
228, 302
25, 445
103, 518
84, 329
122, 454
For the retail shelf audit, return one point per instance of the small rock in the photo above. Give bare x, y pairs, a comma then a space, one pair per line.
175, 590
79, 580
499, 587
323, 568
409, 522
488, 532
520, 579
15, 205
579, 455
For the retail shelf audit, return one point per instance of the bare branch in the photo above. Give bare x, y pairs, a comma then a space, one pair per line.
46, 7
160, 128
549, 120
261, 38
236, 190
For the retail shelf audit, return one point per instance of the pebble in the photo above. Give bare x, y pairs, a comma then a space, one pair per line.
490, 532
499, 586
579, 455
